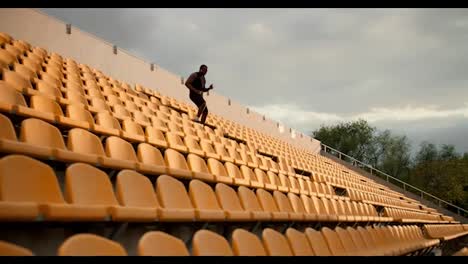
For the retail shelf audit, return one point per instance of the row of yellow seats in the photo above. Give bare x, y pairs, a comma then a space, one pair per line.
30, 191
381, 241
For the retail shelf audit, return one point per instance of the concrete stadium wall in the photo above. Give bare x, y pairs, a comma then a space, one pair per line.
41, 30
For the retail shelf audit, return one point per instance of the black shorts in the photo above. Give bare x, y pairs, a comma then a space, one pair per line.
197, 99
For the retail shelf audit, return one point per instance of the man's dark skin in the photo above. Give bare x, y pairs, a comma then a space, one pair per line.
196, 84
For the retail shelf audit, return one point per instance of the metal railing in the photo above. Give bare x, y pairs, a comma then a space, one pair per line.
407, 187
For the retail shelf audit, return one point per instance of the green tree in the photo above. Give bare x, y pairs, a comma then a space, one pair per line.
448, 152
351, 138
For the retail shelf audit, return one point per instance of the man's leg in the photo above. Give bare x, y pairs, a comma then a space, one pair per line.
201, 109
204, 115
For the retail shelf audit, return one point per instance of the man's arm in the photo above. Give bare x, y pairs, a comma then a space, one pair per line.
188, 84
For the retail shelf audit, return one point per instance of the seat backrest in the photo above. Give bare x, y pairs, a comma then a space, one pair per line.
197, 164
7, 131
85, 142
106, 120
24, 179
88, 185
284, 180
139, 116
233, 171
48, 89
77, 112
37, 132
207, 146
298, 242
266, 201
317, 242
16, 80
367, 238
346, 241
118, 148
135, 190
245, 243
282, 202
202, 196
121, 111
217, 168
209, 243
248, 174
296, 203
100, 104
248, 199
228, 198
45, 104
275, 243
174, 159
171, 193
10, 249
9, 95
90, 245
132, 128
310, 206
192, 143
334, 242
148, 154
274, 179
152, 132
157, 243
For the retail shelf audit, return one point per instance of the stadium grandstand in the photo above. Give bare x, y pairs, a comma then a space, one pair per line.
99, 156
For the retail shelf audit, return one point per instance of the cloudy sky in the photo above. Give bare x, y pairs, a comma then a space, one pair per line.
401, 69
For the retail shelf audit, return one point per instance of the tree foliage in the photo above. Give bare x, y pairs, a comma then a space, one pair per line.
440, 171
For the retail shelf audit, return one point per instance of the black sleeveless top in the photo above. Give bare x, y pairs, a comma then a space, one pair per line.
197, 84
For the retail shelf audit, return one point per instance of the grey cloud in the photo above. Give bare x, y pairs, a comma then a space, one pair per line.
323, 60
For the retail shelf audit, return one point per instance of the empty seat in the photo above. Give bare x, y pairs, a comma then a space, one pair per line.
334, 242
90, 245
204, 200
155, 137
208, 243
120, 154
44, 108
177, 165
132, 131
317, 242
234, 172
268, 204
135, 190
274, 179
44, 144
13, 250
284, 205
91, 188
106, 124
222, 152
121, 113
250, 202
159, 124
77, 116
263, 178
141, 119
219, 171
175, 142
83, 146
298, 207
150, 160
174, 200
193, 146
249, 175
245, 243
12, 100
275, 243
157, 243
199, 168
231, 204
207, 147
298, 242
30, 189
